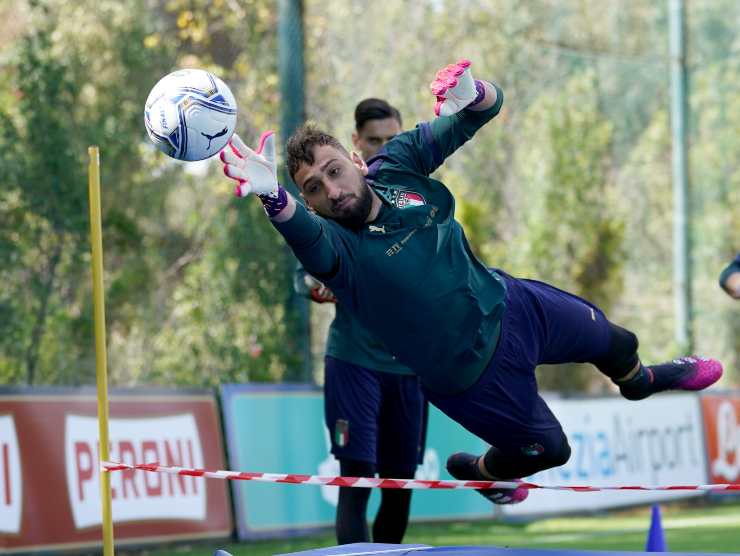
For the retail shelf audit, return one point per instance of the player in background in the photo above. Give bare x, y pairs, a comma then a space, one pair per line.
373, 405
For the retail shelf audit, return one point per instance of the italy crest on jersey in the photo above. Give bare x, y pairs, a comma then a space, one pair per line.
404, 199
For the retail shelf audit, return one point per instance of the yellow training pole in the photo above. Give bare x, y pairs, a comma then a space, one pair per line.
96, 240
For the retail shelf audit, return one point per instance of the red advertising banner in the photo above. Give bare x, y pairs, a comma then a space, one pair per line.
722, 433
50, 478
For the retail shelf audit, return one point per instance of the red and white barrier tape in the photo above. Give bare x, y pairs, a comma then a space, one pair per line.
371, 482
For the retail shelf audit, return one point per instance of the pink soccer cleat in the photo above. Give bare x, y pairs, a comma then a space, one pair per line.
685, 373
699, 373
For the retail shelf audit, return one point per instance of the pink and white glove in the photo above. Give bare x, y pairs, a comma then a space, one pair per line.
255, 171
456, 89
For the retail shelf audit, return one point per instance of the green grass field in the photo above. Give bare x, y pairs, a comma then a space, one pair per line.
688, 528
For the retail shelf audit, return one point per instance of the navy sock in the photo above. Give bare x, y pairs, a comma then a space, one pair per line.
653, 379
393, 513
637, 387
351, 517
464, 467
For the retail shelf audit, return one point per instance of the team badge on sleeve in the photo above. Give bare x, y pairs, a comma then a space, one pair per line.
341, 432
403, 199
399, 198
533, 450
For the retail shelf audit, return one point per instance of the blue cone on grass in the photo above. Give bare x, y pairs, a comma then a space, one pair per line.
220, 552
656, 538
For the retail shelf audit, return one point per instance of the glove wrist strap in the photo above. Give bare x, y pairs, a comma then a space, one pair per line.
275, 202
481, 88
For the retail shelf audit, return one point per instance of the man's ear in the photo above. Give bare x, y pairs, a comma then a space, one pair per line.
358, 161
355, 139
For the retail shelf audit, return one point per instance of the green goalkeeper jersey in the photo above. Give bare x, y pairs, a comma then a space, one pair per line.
409, 277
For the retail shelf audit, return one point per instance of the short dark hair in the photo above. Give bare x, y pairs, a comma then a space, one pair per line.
374, 109
301, 145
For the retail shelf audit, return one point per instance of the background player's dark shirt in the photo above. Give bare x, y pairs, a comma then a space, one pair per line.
350, 342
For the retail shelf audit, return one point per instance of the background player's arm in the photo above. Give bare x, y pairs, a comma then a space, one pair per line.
309, 287
729, 280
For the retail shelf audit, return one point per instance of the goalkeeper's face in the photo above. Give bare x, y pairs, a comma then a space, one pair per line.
334, 186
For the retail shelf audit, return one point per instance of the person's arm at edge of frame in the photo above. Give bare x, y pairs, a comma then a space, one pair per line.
729, 279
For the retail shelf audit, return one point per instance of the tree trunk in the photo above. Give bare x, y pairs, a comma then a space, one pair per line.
32, 353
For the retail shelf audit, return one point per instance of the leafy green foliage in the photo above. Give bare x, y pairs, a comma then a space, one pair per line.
570, 184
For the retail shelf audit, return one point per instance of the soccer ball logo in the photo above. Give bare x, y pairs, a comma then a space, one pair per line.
190, 114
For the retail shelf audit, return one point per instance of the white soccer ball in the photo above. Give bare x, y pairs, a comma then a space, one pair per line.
190, 114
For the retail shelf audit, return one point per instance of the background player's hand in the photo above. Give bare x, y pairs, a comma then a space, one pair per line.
319, 292
454, 88
254, 171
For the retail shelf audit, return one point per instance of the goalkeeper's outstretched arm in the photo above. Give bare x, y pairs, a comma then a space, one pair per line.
255, 171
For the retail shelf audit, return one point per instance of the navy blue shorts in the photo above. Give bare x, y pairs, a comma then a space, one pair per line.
541, 324
374, 417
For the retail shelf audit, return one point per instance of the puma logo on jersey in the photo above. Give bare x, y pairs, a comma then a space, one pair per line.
210, 138
372, 228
